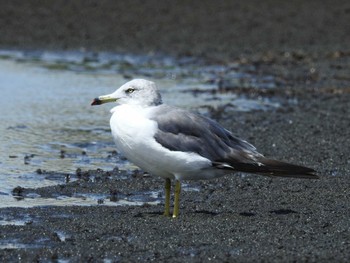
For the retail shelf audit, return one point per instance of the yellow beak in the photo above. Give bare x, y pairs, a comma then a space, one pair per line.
103, 99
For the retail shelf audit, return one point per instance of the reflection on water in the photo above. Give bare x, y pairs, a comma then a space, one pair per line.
149, 198
47, 123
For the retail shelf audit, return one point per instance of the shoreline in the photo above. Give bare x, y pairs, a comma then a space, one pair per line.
241, 218
234, 218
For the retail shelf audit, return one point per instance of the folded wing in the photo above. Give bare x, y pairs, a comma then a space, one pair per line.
180, 130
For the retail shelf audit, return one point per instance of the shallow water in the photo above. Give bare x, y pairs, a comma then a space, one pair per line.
47, 122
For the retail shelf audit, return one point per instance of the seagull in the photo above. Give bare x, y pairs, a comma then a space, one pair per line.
176, 144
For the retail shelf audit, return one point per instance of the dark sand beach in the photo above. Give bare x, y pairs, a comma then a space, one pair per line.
239, 218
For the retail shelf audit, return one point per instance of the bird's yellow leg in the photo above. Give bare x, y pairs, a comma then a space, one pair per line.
167, 197
177, 198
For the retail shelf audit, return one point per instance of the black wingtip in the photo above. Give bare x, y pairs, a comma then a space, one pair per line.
283, 169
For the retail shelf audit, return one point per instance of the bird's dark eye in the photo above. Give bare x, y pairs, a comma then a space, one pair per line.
129, 90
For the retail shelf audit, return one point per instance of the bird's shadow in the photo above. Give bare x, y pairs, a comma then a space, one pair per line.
148, 214
247, 214
281, 211
205, 212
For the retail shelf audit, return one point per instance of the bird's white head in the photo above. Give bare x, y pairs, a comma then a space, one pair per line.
135, 92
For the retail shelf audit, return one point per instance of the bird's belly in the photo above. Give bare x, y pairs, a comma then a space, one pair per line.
144, 156
136, 141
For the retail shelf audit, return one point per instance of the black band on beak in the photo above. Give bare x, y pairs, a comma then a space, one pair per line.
96, 101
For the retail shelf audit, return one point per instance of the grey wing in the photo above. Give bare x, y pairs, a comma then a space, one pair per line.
180, 130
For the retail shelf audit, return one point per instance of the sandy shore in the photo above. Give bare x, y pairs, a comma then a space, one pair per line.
238, 218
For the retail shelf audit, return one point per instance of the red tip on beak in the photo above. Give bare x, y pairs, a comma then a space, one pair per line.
96, 101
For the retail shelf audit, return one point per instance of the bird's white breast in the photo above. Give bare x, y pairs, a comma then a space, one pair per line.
133, 133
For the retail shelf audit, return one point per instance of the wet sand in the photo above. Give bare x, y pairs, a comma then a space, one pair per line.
236, 218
